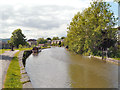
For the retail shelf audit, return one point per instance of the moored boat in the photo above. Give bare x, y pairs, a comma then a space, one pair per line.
35, 50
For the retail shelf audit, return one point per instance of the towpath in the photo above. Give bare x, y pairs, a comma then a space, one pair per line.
5, 59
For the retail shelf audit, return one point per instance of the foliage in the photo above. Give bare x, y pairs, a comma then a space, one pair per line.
92, 29
114, 52
54, 44
55, 38
17, 38
27, 44
33, 46
41, 41
3, 50
62, 43
20, 46
62, 37
48, 38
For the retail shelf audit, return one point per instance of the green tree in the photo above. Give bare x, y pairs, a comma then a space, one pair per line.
41, 41
62, 37
27, 44
90, 29
20, 46
11, 44
55, 38
48, 38
17, 38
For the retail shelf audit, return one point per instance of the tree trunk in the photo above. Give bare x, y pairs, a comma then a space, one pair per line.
17, 46
12, 48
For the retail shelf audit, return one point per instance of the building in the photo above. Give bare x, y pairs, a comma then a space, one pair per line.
32, 42
57, 41
4, 44
49, 41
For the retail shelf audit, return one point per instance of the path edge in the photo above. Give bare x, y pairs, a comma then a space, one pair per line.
25, 79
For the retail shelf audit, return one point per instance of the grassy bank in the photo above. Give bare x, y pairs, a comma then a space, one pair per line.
13, 74
111, 58
3, 50
22, 49
116, 58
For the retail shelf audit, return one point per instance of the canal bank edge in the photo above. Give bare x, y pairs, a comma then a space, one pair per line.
110, 60
24, 76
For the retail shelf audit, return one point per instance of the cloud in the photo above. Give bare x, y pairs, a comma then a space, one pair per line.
39, 18
36, 18
43, 17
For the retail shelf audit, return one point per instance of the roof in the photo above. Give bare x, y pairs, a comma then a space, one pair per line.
32, 40
4, 40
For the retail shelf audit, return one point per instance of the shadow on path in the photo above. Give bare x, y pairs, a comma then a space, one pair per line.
5, 57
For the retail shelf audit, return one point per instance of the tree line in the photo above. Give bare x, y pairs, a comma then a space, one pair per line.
43, 41
18, 39
92, 31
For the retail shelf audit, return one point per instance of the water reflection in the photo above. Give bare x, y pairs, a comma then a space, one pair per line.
92, 73
58, 68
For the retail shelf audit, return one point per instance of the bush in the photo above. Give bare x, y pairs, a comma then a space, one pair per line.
20, 46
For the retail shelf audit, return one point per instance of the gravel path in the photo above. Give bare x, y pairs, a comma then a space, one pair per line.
5, 59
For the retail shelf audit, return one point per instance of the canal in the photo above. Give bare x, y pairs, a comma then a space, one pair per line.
58, 68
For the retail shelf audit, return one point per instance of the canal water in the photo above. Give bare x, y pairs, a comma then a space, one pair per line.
58, 68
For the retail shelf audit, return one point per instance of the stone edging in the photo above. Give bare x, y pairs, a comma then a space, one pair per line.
109, 60
24, 76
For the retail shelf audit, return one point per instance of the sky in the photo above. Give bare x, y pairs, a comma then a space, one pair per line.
41, 18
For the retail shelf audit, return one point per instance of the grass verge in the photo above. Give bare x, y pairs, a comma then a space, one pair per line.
3, 50
21, 49
111, 58
116, 58
13, 75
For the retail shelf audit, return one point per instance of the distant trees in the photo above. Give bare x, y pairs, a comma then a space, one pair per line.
55, 38
48, 38
17, 38
92, 29
62, 37
41, 41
